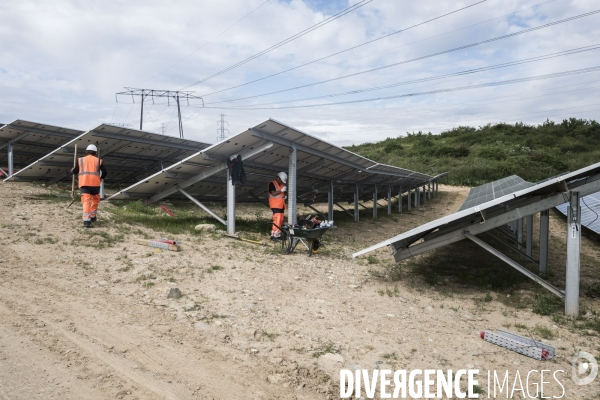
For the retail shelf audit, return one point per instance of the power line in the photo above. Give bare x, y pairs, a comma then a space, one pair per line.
207, 43
348, 49
427, 56
438, 77
447, 90
283, 42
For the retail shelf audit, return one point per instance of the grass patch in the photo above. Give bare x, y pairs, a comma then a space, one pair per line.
543, 332
543, 304
269, 335
214, 268
46, 240
328, 347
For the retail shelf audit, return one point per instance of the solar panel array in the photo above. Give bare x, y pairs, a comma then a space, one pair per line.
491, 214
128, 154
491, 191
590, 211
318, 162
31, 141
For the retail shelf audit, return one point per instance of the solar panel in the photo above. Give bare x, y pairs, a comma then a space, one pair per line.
31, 140
490, 191
318, 162
590, 211
491, 214
128, 154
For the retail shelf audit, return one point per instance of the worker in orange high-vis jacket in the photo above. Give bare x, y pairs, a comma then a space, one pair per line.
90, 172
277, 191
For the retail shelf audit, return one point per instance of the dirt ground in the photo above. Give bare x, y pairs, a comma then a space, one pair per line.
83, 317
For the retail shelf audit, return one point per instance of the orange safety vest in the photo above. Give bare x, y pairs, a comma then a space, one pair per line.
276, 201
89, 171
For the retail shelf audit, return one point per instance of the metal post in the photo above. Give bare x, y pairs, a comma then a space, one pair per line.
10, 159
356, 198
400, 199
330, 202
573, 254
408, 198
416, 197
102, 189
142, 111
437, 186
429, 190
529, 235
389, 200
520, 232
291, 185
230, 205
424, 194
544, 230
179, 115
375, 202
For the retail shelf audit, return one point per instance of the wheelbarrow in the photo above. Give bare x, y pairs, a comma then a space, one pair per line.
309, 237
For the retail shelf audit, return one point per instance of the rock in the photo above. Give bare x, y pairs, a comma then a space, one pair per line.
201, 326
253, 351
218, 323
588, 315
275, 360
591, 332
470, 366
354, 286
429, 308
205, 228
275, 379
174, 293
189, 307
102, 283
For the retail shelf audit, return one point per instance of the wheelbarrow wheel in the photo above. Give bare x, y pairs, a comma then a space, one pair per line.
313, 246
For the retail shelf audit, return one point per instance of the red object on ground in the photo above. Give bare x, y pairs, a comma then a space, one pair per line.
167, 241
545, 354
169, 212
482, 335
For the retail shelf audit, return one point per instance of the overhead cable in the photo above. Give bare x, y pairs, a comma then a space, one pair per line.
283, 42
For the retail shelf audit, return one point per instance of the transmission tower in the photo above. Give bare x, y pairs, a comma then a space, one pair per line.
221, 129
152, 93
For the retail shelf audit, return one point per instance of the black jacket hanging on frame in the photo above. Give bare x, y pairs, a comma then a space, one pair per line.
236, 170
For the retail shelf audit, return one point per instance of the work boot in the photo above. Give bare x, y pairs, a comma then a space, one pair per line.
87, 224
93, 219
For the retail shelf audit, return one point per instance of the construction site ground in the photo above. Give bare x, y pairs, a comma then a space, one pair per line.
84, 314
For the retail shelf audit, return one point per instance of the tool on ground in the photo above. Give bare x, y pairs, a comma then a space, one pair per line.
164, 244
520, 344
238, 237
73, 181
166, 209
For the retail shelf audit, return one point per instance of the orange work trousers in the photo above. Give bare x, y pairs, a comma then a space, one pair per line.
90, 205
278, 220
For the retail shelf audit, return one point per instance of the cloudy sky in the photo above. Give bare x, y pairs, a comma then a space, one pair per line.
61, 63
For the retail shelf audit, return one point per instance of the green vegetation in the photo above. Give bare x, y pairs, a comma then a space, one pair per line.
479, 155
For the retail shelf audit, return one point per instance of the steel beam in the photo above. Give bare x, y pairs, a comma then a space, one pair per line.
205, 174
515, 265
10, 159
573, 255
408, 198
202, 206
344, 210
102, 189
544, 232
520, 232
291, 187
330, 202
529, 235
375, 202
311, 166
356, 199
400, 199
152, 142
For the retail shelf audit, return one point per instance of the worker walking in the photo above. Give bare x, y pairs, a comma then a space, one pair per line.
90, 172
277, 191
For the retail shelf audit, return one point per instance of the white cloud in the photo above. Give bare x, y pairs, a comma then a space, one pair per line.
63, 61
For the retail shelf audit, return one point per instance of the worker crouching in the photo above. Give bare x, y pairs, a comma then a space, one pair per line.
90, 172
277, 191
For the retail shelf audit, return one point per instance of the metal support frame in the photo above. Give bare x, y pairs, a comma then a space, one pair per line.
230, 204
344, 210
510, 238
205, 174
408, 198
515, 265
573, 255
202, 206
102, 189
389, 200
520, 232
10, 159
152, 142
529, 235
425, 194
429, 190
315, 210
375, 202
356, 199
400, 199
417, 197
291, 187
544, 231
330, 202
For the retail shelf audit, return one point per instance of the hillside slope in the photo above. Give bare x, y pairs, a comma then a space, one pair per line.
479, 155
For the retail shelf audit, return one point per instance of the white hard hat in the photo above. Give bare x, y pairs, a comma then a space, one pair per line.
283, 176
92, 147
